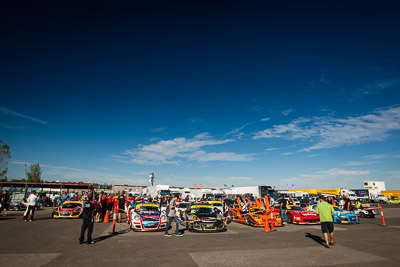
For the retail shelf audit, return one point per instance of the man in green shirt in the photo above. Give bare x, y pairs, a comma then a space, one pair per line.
326, 211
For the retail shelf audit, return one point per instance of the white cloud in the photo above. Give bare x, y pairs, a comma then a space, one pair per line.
172, 151
158, 130
287, 153
313, 155
265, 119
10, 112
272, 149
287, 112
382, 156
50, 172
328, 132
341, 172
359, 163
378, 86
237, 130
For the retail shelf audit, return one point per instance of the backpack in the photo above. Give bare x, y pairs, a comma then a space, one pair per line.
167, 210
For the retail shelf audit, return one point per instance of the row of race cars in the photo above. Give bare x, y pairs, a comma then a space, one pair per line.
212, 216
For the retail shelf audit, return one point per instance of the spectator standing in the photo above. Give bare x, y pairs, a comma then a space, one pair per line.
326, 211
31, 205
291, 200
347, 204
88, 220
283, 210
64, 197
4, 198
4, 202
121, 205
171, 213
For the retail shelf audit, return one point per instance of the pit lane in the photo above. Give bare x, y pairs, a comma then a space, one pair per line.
49, 242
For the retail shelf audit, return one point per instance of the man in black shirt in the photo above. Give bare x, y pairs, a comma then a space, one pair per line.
283, 210
121, 205
88, 220
4, 202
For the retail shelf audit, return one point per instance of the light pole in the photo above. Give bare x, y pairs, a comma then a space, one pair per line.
151, 178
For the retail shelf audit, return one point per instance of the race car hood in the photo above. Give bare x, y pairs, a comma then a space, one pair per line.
150, 216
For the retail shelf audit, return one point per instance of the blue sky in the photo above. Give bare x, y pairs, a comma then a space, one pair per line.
235, 93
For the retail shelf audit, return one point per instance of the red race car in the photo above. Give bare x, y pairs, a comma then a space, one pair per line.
298, 215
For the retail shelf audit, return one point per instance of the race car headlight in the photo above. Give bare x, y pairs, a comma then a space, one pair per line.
219, 217
163, 217
195, 218
136, 217
277, 216
255, 216
342, 217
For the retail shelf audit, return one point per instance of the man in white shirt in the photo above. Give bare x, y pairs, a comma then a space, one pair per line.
31, 205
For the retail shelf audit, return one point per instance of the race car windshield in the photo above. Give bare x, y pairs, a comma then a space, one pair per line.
183, 205
202, 210
70, 205
254, 209
149, 208
217, 204
337, 209
297, 208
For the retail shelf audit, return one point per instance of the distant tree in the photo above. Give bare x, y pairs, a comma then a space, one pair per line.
34, 174
5, 155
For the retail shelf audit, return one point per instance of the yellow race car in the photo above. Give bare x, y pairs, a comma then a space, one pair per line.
69, 209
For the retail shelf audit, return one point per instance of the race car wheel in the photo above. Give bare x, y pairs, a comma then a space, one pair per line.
289, 218
248, 220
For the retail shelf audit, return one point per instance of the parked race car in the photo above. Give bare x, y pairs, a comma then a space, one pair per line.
253, 214
298, 215
147, 217
342, 216
69, 209
394, 200
202, 218
366, 213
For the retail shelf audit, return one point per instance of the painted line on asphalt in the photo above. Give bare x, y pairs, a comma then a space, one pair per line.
306, 256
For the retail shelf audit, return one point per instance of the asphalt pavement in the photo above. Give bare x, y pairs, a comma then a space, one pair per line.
50, 242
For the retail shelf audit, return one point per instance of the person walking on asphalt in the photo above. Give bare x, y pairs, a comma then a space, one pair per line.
88, 220
326, 211
171, 213
31, 205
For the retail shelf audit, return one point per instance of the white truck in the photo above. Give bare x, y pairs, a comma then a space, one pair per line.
346, 192
298, 194
255, 190
157, 190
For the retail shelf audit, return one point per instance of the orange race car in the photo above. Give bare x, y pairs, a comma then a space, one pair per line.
253, 214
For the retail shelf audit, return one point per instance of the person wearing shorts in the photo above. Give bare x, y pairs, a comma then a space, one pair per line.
326, 211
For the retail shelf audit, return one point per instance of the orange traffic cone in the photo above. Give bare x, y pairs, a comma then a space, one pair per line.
106, 217
266, 225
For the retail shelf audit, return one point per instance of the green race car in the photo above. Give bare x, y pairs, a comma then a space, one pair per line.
394, 201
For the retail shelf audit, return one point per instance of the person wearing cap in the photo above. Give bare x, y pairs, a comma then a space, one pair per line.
88, 220
326, 211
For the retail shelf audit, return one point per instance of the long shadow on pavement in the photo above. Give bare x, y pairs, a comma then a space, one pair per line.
316, 238
104, 237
